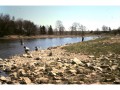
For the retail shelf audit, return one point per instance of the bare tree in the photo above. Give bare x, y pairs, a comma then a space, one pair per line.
55, 31
82, 29
60, 27
105, 28
75, 28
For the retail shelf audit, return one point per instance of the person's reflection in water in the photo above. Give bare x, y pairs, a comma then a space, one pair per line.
21, 41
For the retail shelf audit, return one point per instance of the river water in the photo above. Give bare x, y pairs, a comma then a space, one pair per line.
13, 47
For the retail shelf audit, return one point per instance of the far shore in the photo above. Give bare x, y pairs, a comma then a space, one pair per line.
39, 36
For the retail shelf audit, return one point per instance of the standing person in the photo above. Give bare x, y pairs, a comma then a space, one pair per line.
82, 38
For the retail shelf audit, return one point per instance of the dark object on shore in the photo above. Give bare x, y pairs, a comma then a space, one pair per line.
21, 41
50, 54
26, 49
82, 38
36, 48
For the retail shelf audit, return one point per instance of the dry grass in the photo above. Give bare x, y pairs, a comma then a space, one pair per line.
96, 47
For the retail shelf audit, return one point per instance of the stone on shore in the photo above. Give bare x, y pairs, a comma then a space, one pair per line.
14, 75
2, 65
42, 80
91, 56
114, 67
50, 54
1, 59
2, 78
21, 72
38, 58
27, 55
99, 68
25, 80
77, 61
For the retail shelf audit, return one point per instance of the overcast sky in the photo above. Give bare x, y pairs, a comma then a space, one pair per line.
90, 16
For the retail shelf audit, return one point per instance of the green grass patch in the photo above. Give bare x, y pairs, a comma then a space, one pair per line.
94, 47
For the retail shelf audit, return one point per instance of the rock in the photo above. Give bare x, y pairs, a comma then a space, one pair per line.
118, 56
30, 56
1, 59
14, 66
7, 60
5, 79
13, 75
53, 73
50, 54
81, 82
21, 72
24, 55
114, 67
77, 61
88, 76
88, 64
60, 64
110, 54
27, 55
32, 64
2, 78
73, 72
58, 81
93, 74
56, 78
42, 80
48, 69
99, 69
8, 80
59, 60
2, 65
38, 58
41, 68
106, 58
91, 56
80, 71
117, 81
26, 80
66, 65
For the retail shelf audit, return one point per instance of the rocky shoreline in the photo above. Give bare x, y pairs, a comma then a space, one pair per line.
57, 66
